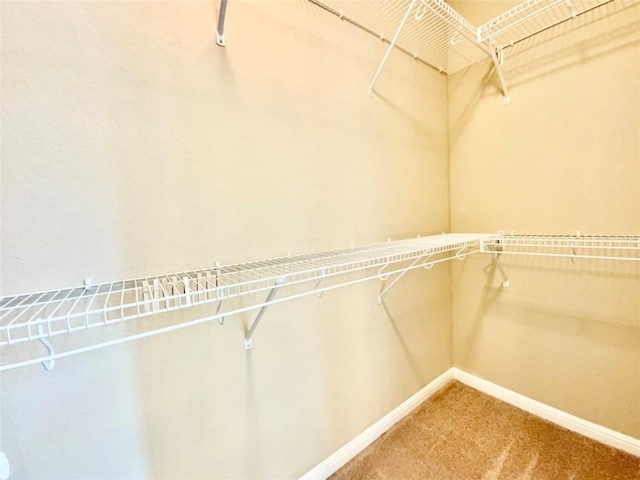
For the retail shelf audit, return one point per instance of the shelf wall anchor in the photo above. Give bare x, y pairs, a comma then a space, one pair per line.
48, 364
395, 280
221, 17
248, 341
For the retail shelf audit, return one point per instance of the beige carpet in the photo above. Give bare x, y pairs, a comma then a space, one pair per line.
463, 434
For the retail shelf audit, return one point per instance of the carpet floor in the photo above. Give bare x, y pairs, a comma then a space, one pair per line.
462, 434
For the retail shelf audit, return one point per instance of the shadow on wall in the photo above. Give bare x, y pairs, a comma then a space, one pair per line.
490, 293
593, 34
570, 298
560, 296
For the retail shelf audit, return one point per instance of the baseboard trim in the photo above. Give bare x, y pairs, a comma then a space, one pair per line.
579, 425
339, 458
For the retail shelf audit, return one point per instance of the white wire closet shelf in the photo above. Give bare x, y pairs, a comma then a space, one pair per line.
434, 33
598, 247
38, 316
532, 17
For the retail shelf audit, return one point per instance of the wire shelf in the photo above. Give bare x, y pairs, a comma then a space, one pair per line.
34, 316
432, 32
532, 17
603, 247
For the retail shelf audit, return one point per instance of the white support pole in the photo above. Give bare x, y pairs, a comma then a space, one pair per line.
391, 45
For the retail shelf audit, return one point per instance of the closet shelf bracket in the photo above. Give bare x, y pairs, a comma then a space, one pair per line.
383, 277
497, 55
47, 364
248, 340
496, 260
494, 249
221, 17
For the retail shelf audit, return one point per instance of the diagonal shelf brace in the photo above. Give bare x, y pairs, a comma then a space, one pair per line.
395, 280
248, 341
496, 259
221, 17
497, 56
494, 251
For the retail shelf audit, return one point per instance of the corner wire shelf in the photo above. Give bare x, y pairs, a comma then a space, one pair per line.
594, 247
597, 247
39, 316
532, 17
432, 32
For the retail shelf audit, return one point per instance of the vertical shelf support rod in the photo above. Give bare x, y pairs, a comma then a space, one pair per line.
220, 31
391, 46
248, 341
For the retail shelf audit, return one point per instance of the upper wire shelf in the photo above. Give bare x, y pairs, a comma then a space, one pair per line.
436, 34
532, 17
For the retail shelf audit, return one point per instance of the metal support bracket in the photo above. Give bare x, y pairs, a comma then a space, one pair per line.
48, 364
220, 31
496, 260
395, 280
248, 341
497, 56
220, 319
391, 45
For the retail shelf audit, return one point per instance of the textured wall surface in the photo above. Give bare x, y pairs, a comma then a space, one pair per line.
563, 156
133, 145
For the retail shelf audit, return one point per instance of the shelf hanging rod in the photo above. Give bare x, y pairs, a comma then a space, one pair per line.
357, 24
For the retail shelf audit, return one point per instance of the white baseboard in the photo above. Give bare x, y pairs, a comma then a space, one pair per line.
589, 429
339, 458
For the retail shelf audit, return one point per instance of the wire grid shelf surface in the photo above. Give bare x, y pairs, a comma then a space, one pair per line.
532, 17
434, 33
605, 247
34, 316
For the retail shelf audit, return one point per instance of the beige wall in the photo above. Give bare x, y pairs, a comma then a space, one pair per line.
133, 145
563, 156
